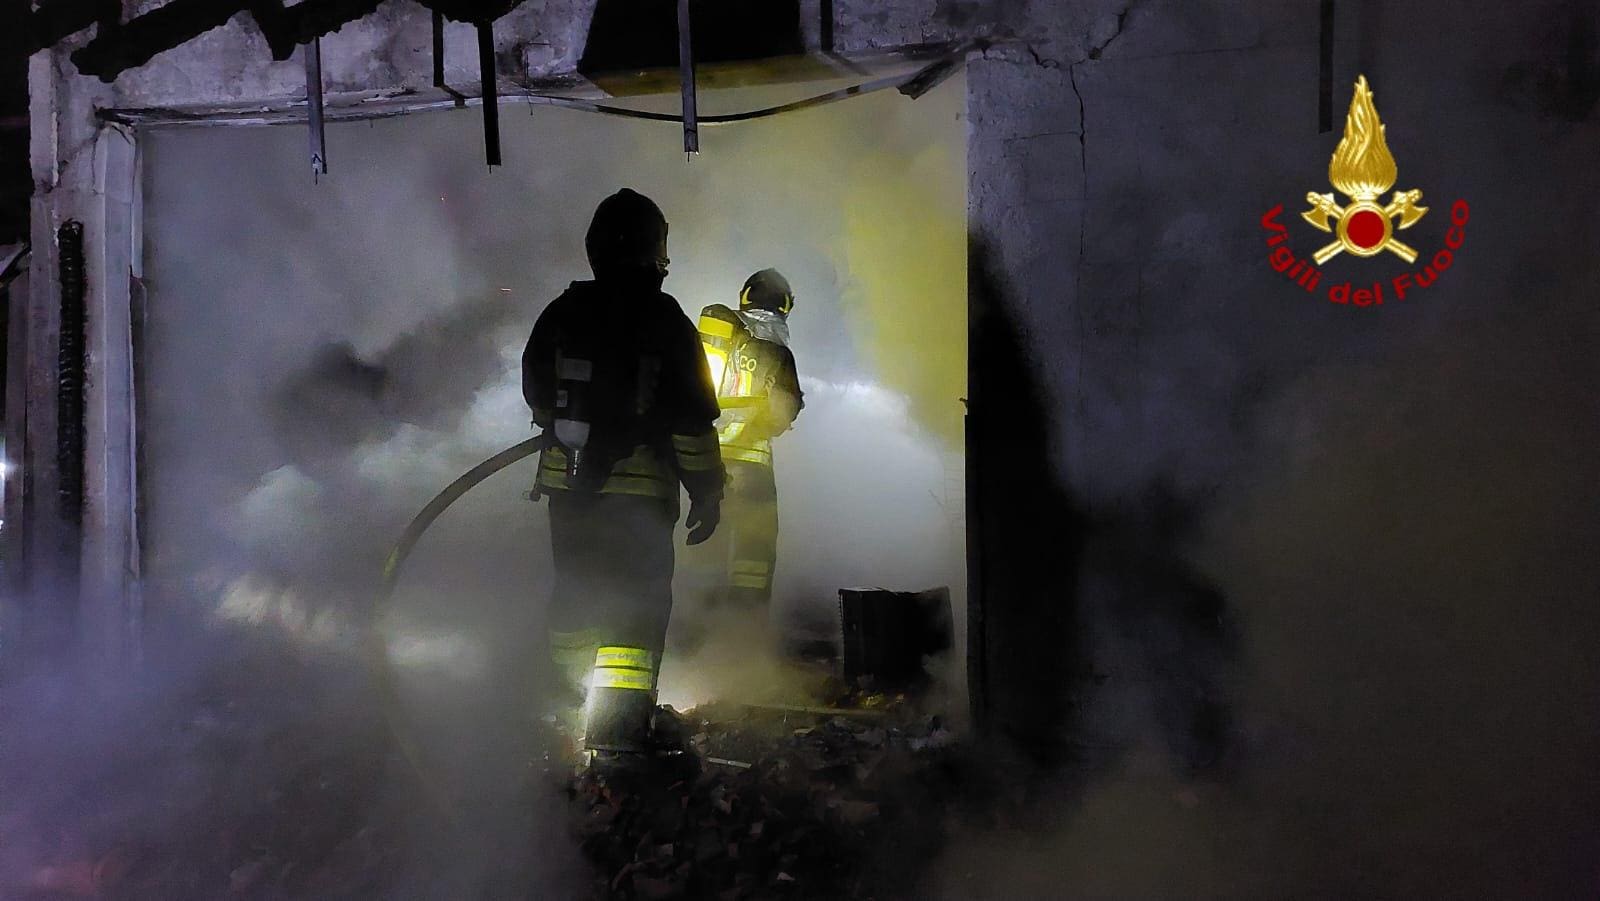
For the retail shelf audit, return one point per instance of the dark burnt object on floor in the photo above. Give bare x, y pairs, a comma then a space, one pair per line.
888, 635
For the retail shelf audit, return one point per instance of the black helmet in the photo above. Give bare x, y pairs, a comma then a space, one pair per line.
767, 290
628, 232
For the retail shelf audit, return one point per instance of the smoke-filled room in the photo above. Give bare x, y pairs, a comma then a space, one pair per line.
637, 450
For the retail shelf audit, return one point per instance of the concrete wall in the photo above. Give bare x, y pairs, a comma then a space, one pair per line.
1120, 165
391, 48
86, 171
1334, 554
1120, 159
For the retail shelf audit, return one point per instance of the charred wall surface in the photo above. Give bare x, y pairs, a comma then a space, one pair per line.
1330, 554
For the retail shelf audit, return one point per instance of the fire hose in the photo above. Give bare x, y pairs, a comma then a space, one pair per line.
378, 650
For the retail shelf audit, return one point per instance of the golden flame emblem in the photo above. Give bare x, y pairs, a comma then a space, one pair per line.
1362, 168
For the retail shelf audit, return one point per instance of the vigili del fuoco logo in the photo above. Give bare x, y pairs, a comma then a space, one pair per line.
1362, 169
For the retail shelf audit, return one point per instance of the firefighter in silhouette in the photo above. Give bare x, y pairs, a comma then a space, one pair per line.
617, 381
759, 392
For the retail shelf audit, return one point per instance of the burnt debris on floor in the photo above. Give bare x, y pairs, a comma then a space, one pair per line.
264, 785
843, 796
777, 802
760, 802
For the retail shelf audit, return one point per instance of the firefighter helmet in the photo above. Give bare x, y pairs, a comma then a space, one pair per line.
767, 290
628, 232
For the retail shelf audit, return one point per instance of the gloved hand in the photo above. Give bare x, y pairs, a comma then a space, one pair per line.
702, 520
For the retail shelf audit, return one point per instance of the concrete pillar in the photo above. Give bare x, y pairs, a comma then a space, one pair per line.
47, 617
1023, 526
108, 569
79, 584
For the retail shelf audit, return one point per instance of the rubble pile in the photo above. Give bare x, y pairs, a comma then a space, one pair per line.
775, 802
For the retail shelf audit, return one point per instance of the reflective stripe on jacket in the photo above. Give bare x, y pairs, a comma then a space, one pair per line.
757, 385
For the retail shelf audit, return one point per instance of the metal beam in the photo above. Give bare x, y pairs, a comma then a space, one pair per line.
491, 101
691, 118
315, 129
366, 105
931, 77
438, 49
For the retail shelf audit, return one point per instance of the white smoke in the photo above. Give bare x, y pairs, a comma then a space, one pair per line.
324, 358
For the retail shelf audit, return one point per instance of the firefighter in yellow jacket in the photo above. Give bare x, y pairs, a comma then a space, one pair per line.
759, 392
616, 378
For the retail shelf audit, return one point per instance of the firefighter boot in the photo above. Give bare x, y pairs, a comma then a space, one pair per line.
622, 701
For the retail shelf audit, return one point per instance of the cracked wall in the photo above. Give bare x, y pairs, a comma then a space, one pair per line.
1334, 536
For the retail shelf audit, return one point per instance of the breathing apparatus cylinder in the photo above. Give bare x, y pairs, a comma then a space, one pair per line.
574, 384
716, 336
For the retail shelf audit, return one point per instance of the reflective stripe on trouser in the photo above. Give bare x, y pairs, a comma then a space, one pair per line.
739, 447
621, 699
613, 569
760, 455
753, 574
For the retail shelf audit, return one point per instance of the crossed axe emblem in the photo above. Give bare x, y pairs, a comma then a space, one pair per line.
1402, 204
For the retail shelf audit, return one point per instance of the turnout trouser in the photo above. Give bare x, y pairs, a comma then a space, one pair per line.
748, 535
613, 579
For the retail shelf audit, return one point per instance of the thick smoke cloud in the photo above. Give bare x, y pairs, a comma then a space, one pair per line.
424, 379
372, 354
323, 358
